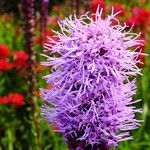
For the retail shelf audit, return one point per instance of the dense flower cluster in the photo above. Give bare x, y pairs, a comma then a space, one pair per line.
12, 99
91, 94
139, 18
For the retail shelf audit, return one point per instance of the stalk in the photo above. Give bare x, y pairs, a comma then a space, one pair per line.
44, 14
29, 28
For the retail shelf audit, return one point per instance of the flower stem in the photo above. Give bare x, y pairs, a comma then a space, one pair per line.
44, 14
29, 27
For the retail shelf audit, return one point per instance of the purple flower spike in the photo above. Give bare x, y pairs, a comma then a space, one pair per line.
91, 99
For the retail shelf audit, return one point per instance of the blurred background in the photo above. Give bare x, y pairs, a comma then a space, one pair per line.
24, 27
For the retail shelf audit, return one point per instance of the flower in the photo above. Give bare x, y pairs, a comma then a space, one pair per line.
44, 38
13, 99
141, 15
91, 95
118, 7
142, 50
21, 60
94, 4
132, 21
5, 65
139, 18
4, 51
16, 99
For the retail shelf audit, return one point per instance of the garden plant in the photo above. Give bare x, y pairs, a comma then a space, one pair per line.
75, 75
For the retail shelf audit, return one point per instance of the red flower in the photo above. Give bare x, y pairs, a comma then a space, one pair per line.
3, 100
94, 4
132, 21
4, 51
140, 18
5, 65
118, 7
21, 60
16, 99
141, 15
13, 99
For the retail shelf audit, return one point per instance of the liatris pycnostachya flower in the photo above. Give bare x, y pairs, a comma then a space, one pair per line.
92, 95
